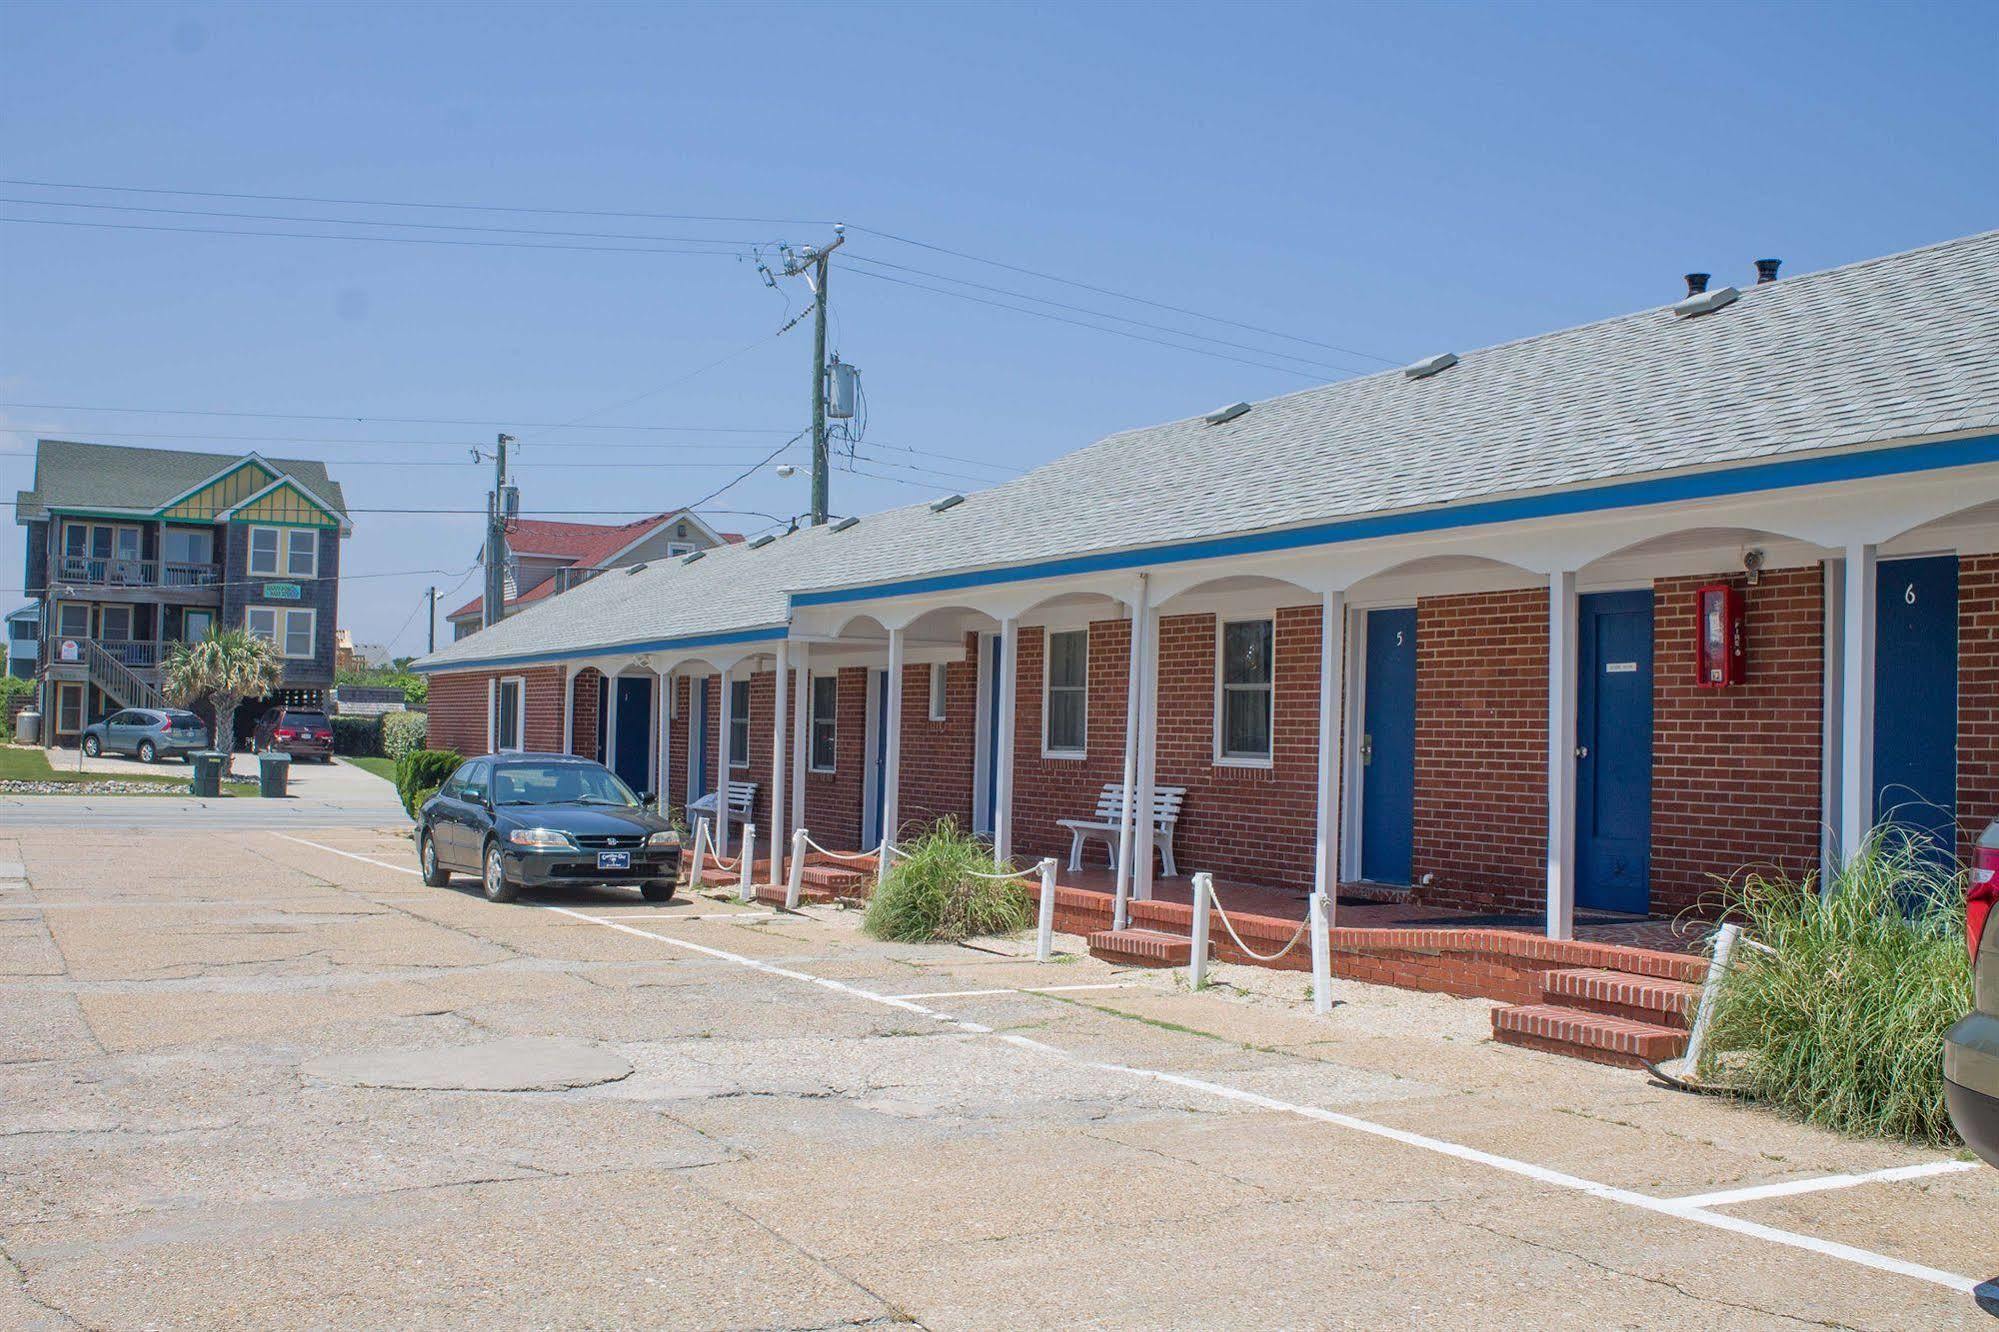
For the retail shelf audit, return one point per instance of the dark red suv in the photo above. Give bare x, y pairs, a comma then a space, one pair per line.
295, 731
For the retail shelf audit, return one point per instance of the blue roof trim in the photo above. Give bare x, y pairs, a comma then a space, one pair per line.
1621, 495
571, 654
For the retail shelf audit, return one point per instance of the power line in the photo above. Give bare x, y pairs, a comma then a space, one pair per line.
395, 203
1123, 296
743, 252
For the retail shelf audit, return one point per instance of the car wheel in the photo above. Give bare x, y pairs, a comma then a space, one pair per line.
92, 746
497, 887
657, 892
434, 873
147, 753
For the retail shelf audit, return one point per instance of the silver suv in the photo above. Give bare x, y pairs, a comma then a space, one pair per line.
147, 734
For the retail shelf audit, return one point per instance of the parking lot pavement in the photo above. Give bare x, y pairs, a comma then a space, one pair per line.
318, 795
263, 1077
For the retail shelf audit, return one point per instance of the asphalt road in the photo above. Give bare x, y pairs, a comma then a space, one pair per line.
267, 1078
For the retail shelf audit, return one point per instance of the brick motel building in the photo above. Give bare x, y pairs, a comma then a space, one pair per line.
1507, 655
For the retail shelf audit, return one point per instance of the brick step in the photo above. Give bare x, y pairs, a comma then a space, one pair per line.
1142, 948
1667, 1003
831, 877
1583, 1035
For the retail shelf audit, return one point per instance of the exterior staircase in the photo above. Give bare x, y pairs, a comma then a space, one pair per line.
1609, 1016
117, 679
1142, 948
819, 883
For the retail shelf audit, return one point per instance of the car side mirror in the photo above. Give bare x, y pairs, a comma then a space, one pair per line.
650, 798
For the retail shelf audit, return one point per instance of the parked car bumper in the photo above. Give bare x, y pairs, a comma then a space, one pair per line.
299, 749
1971, 1082
547, 869
180, 746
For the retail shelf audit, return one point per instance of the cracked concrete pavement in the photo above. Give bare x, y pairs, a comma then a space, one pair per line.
190, 1134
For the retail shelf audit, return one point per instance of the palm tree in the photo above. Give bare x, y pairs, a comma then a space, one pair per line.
224, 668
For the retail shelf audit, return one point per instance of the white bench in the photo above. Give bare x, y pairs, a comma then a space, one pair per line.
742, 799
1109, 821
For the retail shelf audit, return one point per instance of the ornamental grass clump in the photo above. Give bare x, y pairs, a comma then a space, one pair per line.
931, 893
1843, 1023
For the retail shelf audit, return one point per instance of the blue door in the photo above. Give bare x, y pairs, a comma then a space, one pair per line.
698, 737
1915, 697
1388, 747
877, 760
1614, 752
634, 732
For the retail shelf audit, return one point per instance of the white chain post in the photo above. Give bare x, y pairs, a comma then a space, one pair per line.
1044, 934
746, 886
1724, 948
700, 853
795, 884
1322, 956
1197, 966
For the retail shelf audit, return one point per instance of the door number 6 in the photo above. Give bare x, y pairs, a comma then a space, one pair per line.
1909, 595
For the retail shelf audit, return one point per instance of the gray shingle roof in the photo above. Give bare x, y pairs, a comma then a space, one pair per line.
1902, 346
81, 476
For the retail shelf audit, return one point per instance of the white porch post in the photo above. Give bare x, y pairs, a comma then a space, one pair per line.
725, 715
801, 735
1148, 758
1136, 649
1009, 649
892, 724
780, 826
568, 709
1332, 762
1562, 610
664, 786
1856, 747
611, 722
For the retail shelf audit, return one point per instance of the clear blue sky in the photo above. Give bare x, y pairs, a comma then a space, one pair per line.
1395, 180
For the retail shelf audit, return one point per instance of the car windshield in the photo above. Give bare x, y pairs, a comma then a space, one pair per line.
559, 784
305, 718
181, 720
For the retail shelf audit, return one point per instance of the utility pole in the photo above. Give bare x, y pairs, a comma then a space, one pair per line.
495, 607
433, 618
814, 259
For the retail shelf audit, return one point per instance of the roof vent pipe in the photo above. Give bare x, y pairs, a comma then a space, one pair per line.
1766, 270
1223, 415
1430, 365
1697, 283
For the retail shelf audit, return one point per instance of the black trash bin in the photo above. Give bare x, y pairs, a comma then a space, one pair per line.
273, 771
207, 773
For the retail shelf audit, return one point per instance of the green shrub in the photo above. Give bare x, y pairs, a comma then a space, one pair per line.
421, 770
930, 895
1843, 1024
357, 737
11, 688
416, 803
403, 733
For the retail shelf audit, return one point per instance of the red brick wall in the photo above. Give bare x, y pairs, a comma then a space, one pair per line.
585, 689
1735, 772
1481, 823
1977, 695
833, 799
1047, 789
458, 709
938, 756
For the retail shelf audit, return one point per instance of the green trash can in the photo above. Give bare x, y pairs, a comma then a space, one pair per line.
207, 773
273, 771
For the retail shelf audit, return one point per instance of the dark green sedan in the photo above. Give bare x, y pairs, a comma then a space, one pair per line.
544, 820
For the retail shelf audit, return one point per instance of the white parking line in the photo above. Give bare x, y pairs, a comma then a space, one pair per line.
1679, 1208
1818, 1184
1023, 989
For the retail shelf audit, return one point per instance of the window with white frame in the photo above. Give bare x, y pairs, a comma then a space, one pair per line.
1065, 695
508, 721
825, 718
937, 691
677, 548
292, 631
739, 723
264, 547
1243, 709
302, 552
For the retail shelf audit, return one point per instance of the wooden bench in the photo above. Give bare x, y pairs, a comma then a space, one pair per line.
742, 801
1109, 819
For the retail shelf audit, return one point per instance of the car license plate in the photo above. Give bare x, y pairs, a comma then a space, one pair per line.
614, 860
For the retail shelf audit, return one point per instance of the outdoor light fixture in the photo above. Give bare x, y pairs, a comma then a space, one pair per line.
787, 470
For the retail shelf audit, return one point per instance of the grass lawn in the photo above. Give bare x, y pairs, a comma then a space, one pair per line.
385, 768
20, 764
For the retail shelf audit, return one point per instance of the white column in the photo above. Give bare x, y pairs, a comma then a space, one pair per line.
1136, 649
1562, 605
780, 826
1833, 719
611, 722
1856, 743
1148, 757
801, 735
664, 786
723, 715
568, 709
892, 760
1332, 762
1009, 649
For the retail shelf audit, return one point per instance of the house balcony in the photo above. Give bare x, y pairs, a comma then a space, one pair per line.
165, 580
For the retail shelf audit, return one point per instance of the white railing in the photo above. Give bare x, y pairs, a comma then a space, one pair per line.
1315, 925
